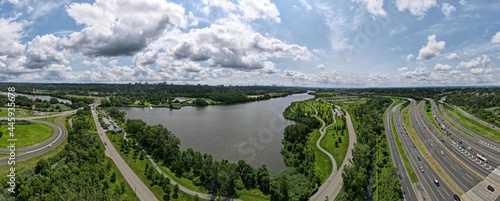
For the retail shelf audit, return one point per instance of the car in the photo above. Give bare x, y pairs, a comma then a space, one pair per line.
442, 140
459, 142
105, 144
490, 188
469, 148
456, 197
421, 169
442, 153
418, 157
436, 182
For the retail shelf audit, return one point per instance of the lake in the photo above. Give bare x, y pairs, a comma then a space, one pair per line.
251, 131
41, 97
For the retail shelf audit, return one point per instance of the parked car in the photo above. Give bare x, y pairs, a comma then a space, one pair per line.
456, 197
436, 182
490, 188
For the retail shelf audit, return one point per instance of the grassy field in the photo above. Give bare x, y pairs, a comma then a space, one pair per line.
5, 112
138, 166
420, 145
430, 117
473, 125
76, 96
322, 161
328, 142
404, 157
494, 110
26, 135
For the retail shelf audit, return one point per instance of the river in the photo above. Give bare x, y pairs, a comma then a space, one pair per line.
41, 97
250, 131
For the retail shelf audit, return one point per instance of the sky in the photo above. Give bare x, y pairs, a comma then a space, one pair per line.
315, 43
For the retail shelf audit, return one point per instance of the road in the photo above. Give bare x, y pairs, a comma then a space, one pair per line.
408, 190
475, 118
141, 190
37, 150
427, 189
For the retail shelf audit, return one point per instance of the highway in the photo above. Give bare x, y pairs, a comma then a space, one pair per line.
58, 137
428, 190
141, 190
408, 190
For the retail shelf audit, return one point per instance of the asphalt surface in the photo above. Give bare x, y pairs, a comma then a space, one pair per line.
39, 149
140, 189
407, 187
430, 190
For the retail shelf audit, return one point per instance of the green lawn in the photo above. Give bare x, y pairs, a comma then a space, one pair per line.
76, 96
26, 135
5, 112
473, 125
404, 157
331, 136
322, 162
138, 166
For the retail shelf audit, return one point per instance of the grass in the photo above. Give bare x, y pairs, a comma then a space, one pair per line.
328, 142
402, 153
322, 162
26, 135
49, 119
5, 112
493, 110
76, 96
430, 117
420, 145
453, 124
473, 125
138, 166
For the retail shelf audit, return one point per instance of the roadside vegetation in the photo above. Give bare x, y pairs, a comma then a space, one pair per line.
478, 102
402, 153
80, 170
473, 125
430, 117
371, 157
27, 133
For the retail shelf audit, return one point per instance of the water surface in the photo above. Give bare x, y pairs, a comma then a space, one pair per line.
250, 131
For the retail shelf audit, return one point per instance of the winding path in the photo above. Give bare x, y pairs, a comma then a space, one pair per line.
331, 188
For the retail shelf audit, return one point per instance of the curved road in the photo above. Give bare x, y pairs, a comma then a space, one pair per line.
331, 188
42, 148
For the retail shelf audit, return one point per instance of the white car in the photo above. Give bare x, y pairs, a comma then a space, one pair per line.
421, 169
442, 153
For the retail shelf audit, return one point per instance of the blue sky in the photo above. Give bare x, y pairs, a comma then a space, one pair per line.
324, 43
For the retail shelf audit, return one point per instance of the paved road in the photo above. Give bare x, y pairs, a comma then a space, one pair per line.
141, 190
60, 133
428, 190
335, 185
408, 190
325, 189
475, 118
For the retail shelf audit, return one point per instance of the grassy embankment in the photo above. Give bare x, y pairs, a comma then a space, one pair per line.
420, 145
430, 117
26, 135
473, 125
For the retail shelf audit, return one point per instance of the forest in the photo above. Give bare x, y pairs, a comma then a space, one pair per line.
477, 104
80, 170
371, 176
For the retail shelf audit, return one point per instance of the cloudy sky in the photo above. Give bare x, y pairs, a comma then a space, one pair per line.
325, 43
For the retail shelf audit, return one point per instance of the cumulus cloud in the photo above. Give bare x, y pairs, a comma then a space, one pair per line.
496, 38
478, 62
10, 36
420, 73
116, 28
447, 9
409, 57
228, 43
374, 7
306, 5
442, 67
321, 67
43, 52
480, 71
432, 49
416, 7
452, 56
463, 2
262, 9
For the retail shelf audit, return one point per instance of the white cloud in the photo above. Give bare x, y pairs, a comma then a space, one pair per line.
262, 9
478, 62
420, 73
447, 9
442, 67
43, 52
496, 38
409, 57
374, 7
321, 67
463, 2
115, 28
452, 56
480, 71
416, 7
306, 5
432, 49
11, 33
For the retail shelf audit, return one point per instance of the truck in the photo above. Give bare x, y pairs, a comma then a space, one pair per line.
480, 157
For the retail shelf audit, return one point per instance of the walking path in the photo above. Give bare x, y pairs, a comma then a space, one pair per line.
331, 188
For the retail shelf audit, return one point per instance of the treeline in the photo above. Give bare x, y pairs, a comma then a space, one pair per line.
79, 171
300, 179
371, 176
476, 102
217, 177
43, 105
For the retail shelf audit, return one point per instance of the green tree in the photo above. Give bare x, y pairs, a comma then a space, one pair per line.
176, 191
113, 178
